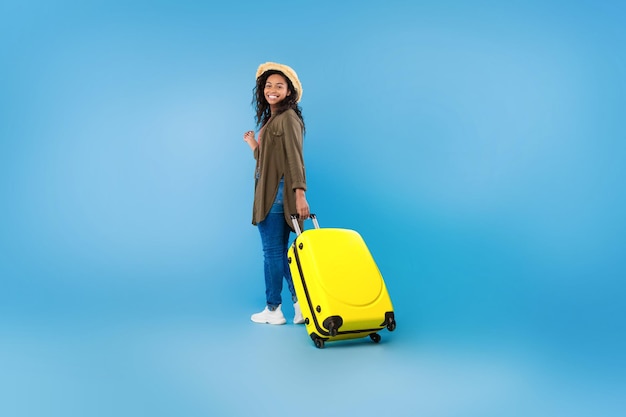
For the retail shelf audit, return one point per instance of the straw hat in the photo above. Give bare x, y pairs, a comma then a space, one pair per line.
288, 71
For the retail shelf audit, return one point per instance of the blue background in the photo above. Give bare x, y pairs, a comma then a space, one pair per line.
478, 147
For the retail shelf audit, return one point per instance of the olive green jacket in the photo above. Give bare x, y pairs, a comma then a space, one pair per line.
278, 155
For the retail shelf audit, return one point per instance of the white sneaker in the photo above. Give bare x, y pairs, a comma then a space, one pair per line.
297, 317
269, 317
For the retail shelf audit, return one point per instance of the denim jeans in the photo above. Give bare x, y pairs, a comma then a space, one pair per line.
274, 232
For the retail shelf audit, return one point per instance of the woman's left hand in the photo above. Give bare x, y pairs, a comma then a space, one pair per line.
248, 137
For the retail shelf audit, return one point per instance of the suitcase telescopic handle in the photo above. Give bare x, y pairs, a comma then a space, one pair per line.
296, 225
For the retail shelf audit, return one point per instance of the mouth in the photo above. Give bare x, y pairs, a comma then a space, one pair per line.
272, 97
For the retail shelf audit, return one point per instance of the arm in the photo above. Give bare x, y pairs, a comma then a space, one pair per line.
294, 164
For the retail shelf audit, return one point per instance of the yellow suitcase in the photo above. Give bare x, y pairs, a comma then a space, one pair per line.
341, 291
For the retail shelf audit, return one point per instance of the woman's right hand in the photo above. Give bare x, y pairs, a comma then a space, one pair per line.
302, 206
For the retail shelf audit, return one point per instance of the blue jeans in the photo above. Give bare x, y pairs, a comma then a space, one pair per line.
274, 232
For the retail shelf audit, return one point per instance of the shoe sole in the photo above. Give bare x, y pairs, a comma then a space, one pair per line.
269, 322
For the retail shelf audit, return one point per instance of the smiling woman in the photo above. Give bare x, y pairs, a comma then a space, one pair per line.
280, 180
477, 147
275, 90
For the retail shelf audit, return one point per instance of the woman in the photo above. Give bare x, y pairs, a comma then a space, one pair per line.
280, 180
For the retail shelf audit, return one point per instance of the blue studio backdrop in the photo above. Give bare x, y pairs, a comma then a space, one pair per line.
477, 147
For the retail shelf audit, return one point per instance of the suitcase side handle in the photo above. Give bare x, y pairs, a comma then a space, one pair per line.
296, 225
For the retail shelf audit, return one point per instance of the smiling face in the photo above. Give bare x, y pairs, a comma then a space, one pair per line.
276, 90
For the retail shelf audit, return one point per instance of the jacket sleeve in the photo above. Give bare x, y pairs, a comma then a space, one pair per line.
293, 142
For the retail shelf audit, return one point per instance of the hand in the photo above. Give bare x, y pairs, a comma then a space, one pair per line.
302, 206
248, 137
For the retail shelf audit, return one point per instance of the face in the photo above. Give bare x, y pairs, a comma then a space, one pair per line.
276, 89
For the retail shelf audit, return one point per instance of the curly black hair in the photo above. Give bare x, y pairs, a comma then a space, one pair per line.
262, 107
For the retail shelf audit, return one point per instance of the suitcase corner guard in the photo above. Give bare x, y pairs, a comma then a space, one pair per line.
390, 321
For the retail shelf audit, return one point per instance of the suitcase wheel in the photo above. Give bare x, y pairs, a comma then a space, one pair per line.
333, 323
319, 342
390, 321
375, 337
